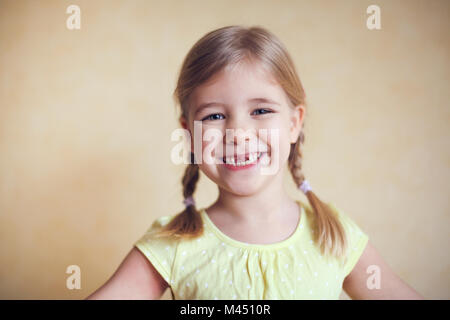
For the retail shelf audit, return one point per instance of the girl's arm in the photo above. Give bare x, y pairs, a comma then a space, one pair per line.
391, 286
135, 279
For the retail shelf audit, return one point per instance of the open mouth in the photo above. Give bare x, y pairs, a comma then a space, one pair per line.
243, 160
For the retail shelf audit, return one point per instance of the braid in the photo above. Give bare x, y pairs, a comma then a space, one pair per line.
330, 235
190, 178
295, 160
188, 223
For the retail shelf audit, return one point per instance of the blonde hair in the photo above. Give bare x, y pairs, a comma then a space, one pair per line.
209, 55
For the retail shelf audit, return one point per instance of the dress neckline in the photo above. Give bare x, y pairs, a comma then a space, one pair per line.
240, 244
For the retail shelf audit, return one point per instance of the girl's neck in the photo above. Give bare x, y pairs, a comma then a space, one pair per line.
268, 205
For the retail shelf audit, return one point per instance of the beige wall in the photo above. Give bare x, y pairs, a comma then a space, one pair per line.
86, 118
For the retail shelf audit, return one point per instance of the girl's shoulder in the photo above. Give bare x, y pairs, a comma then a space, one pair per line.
160, 221
160, 251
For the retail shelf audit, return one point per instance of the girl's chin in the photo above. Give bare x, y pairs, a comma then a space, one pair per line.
242, 187
242, 192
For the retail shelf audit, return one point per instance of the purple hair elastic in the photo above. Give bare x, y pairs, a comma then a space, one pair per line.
189, 201
305, 187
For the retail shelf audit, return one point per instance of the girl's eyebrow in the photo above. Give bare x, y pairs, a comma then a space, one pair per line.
263, 100
253, 100
208, 104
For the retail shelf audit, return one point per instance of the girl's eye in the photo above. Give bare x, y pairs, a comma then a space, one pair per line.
262, 111
215, 116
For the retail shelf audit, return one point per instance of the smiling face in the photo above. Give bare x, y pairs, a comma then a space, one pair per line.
244, 105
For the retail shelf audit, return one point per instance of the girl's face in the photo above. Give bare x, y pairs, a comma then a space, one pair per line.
247, 127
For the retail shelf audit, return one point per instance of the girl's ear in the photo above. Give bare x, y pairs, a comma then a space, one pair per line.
297, 116
183, 123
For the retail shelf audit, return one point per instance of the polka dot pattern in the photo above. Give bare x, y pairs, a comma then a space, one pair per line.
215, 266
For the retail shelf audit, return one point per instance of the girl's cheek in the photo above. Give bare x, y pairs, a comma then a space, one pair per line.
271, 121
211, 149
278, 141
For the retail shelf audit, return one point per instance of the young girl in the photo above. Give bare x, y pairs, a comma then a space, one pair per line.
254, 241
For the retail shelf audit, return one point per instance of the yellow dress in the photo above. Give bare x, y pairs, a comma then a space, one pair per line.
215, 266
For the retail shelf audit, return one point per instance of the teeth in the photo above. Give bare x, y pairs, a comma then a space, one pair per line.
251, 158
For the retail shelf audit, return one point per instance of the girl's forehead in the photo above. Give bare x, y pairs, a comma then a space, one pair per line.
237, 83
254, 71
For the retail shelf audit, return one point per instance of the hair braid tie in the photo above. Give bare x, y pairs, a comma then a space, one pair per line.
189, 201
304, 186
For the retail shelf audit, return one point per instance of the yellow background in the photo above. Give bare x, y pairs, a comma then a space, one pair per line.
86, 117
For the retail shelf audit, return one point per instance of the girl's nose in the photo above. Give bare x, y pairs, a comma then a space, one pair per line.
236, 136
239, 132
